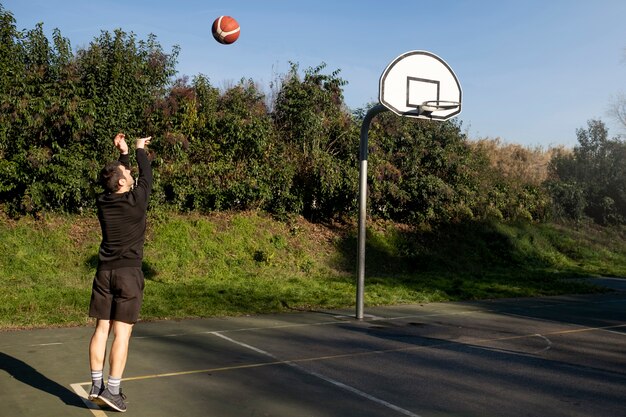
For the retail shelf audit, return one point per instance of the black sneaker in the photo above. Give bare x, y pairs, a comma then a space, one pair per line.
116, 402
95, 392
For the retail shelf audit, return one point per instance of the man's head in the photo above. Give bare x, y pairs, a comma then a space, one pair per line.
116, 178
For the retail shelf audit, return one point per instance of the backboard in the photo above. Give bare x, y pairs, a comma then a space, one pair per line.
422, 85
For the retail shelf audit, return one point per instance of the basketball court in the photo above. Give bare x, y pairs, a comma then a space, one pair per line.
556, 356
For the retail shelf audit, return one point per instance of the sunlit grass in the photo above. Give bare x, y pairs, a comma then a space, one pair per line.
245, 263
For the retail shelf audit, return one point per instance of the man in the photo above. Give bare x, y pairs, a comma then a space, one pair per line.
117, 291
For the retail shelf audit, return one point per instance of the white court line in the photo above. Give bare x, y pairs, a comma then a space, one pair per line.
323, 377
509, 352
614, 332
548, 344
80, 391
467, 311
470, 310
47, 344
553, 321
78, 387
319, 323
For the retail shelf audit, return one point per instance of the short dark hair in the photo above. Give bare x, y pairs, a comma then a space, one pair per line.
110, 176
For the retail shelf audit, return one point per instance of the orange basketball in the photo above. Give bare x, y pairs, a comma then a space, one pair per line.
225, 30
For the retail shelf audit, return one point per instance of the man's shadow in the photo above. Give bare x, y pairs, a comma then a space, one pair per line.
30, 376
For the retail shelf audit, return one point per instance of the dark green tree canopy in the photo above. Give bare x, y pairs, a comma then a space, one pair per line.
236, 149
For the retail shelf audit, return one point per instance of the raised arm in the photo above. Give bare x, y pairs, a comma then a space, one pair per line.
144, 182
120, 143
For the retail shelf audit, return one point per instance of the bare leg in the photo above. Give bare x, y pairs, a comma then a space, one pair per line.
98, 345
119, 349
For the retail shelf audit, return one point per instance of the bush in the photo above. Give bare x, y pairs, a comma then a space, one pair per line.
318, 138
590, 180
233, 149
60, 111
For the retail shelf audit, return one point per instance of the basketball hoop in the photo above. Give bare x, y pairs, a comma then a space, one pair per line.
420, 84
416, 84
430, 106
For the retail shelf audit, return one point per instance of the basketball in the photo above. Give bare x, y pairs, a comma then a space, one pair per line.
225, 30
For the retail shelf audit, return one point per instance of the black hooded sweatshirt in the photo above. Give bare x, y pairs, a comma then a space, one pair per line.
123, 219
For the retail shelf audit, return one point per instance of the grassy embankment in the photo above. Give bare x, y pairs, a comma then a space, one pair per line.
245, 263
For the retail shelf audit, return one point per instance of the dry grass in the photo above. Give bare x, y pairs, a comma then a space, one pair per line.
513, 161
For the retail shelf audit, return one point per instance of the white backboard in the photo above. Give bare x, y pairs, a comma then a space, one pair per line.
417, 77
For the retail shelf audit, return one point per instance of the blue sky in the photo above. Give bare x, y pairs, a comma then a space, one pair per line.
532, 72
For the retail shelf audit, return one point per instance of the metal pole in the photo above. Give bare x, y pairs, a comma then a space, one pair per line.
379, 108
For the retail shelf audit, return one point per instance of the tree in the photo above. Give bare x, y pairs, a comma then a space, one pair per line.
319, 141
592, 176
421, 171
59, 111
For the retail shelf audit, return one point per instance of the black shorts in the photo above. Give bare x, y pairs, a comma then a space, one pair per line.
117, 294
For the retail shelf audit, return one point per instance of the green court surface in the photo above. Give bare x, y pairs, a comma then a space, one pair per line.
555, 356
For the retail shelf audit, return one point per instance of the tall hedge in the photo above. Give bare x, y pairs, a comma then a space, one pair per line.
59, 111
589, 182
237, 149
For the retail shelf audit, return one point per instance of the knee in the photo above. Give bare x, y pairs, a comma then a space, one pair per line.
103, 327
122, 330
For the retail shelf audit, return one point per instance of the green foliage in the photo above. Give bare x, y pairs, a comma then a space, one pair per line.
569, 200
61, 110
121, 77
319, 141
246, 263
422, 171
233, 149
38, 118
216, 147
590, 180
510, 181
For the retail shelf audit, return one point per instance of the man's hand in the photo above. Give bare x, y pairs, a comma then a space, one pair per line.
120, 143
143, 142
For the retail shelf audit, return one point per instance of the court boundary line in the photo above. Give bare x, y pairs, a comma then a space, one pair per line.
98, 412
348, 318
318, 375
554, 321
351, 319
80, 391
356, 354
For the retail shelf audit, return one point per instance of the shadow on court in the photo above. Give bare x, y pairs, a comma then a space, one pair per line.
554, 356
26, 374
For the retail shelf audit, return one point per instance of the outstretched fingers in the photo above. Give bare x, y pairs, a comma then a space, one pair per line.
140, 143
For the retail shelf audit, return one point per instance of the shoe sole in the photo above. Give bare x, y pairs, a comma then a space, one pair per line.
96, 400
111, 404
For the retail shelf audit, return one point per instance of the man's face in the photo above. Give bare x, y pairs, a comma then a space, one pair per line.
126, 173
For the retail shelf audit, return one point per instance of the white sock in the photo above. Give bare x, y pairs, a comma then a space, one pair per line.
96, 378
113, 384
